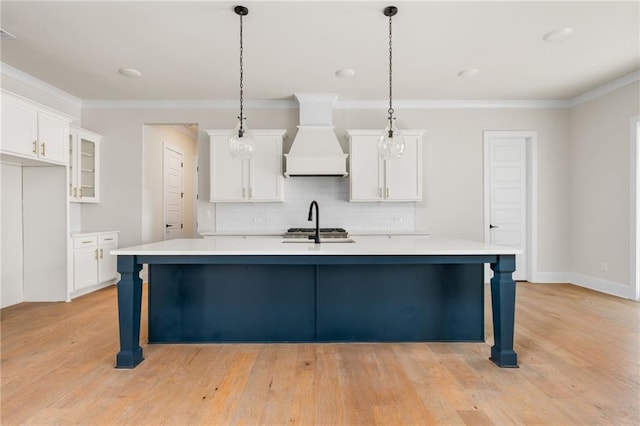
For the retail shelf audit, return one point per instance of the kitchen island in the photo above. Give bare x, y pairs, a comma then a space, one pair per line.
263, 289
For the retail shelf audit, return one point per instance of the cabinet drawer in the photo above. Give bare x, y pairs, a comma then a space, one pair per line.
83, 242
108, 239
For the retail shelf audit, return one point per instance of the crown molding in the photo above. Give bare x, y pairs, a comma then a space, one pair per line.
452, 104
196, 104
36, 83
605, 88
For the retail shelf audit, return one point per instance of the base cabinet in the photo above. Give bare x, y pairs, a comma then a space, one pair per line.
375, 179
92, 262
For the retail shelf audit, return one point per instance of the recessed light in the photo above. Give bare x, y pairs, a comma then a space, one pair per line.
130, 72
345, 73
558, 34
469, 72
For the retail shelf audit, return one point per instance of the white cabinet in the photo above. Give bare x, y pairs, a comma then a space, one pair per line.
375, 179
258, 179
92, 262
84, 165
33, 132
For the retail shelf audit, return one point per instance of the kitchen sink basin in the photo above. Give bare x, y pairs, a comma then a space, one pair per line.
322, 241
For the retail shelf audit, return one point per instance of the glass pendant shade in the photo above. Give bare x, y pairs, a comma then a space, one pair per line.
241, 142
390, 143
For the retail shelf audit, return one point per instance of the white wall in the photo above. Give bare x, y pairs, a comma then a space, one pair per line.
120, 204
453, 170
11, 260
600, 192
453, 193
154, 138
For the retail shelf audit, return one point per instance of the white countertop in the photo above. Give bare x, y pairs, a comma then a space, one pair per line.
273, 245
92, 233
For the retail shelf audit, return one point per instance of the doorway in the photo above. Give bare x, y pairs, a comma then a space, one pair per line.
634, 202
174, 140
510, 196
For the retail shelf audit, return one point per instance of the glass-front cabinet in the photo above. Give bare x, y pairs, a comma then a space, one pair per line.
84, 165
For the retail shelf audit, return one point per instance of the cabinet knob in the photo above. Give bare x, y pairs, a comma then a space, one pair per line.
96, 254
388, 192
101, 253
35, 147
43, 150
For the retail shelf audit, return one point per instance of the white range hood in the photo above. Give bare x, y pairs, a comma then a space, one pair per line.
316, 150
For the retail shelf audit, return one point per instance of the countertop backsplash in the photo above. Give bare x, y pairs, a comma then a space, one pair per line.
332, 195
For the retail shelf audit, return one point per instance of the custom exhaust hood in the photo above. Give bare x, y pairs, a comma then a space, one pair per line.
315, 150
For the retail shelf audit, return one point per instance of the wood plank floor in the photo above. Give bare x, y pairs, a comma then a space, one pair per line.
579, 354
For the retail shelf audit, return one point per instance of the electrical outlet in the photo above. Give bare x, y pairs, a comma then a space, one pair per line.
604, 266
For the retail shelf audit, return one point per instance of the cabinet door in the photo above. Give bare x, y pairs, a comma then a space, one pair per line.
107, 263
404, 175
226, 174
87, 168
73, 165
19, 128
85, 267
266, 181
366, 172
53, 135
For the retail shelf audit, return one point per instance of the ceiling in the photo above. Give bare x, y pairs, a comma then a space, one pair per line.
190, 50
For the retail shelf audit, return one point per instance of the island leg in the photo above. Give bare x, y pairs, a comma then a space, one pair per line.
503, 303
129, 306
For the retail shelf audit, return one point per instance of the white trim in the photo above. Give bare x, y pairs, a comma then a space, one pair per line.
32, 81
452, 104
605, 88
354, 104
532, 193
634, 214
186, 103
598, 284
36, 83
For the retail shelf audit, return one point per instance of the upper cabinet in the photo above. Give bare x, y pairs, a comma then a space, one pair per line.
375, 179
31, 131
84, 165
258, 179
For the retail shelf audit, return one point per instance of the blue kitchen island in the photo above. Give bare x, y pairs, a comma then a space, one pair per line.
263, 289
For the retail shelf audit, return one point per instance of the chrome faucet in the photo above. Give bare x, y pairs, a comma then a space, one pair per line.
316, 236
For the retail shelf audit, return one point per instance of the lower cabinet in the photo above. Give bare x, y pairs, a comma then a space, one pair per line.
92, 262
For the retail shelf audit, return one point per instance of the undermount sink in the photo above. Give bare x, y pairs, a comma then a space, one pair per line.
322, 241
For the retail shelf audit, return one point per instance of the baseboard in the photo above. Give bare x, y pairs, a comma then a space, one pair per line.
598, 284
92, 288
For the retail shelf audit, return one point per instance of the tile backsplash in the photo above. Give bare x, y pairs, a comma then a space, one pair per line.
332, 195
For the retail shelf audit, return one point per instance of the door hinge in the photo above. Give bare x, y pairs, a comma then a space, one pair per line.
181, 164
181, 226
182, 195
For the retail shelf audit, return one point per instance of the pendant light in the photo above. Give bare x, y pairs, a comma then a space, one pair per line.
241, 142
391, 142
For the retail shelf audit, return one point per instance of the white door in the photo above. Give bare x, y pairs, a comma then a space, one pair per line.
506, 177
173, 193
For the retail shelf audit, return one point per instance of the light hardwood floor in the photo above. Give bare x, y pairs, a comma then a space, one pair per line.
579, 354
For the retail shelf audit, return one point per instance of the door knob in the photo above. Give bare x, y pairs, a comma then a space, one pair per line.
493, 226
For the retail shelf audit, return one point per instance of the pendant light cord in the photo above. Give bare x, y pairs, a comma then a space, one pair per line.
390, 111
241, 118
